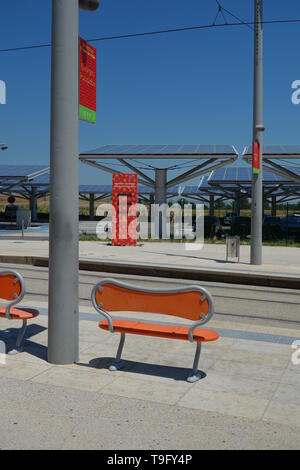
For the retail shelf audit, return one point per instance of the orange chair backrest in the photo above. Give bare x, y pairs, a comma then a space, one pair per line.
10, 286
187, 302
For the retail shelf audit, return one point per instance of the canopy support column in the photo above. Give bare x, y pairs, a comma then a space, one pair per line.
160, 198
92, 206
211, 205
33, 204
274, 206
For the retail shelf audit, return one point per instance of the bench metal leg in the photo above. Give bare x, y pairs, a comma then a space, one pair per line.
118, 363
18, 348
196, 375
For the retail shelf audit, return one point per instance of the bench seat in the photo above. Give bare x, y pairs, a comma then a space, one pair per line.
12, 290
19, 313
161, 331
193, 304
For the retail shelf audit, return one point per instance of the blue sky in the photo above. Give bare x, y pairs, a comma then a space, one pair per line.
181, 88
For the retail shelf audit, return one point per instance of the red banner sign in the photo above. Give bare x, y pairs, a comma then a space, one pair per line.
255, 157
124, 200
87, 81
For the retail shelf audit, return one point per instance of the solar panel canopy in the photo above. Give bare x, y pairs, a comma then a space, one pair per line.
20, 171
106, 188
155, 151
232, 175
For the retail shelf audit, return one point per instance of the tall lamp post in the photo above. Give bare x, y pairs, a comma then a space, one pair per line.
63, 333
258, 128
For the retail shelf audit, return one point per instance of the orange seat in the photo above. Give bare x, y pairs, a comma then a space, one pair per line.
19, 313
12, 290
161, 331
192, 303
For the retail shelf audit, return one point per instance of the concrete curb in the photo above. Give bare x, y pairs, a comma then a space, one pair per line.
175, 272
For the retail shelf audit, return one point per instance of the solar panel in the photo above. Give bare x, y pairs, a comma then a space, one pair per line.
193, 150
218, 175
107, 188
238, 175
20, 171
95, 189
43, 180
243, 174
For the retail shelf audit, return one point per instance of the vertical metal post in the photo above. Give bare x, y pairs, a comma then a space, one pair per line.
160, 186
211, 205
33, 204
237, 204
63, 256
160, 198
258, 128
287, 224
92, 206
274, 207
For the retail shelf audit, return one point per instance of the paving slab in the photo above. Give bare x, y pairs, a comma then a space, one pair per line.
290, 377
74, 378
245, 369
148, 390
223, 402
240, 354
22, 369
283, 413
236, 385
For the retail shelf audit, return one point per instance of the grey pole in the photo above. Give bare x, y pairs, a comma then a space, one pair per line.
160, 186
151, 199
92, 206
63, 256
33, 204
274, 202
211, 205
258, 128
237, 204
160, 198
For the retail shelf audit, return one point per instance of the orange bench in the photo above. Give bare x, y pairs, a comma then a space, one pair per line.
191, 303
12, 289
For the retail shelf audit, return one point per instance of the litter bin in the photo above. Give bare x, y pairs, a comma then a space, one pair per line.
233, 247
23, 216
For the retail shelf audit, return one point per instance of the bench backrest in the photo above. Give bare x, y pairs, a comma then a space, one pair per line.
12, 288
190, 302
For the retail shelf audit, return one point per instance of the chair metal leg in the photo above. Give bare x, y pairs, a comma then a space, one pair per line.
117, 365
18, 348
196, 375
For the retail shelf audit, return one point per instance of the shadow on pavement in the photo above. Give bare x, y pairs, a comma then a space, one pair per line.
9, 337
202, 258
156, 370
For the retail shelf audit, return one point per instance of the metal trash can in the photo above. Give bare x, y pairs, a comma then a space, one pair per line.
233, 247
23, 216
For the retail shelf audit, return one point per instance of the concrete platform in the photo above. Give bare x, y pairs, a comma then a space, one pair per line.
281, 266
248, 397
